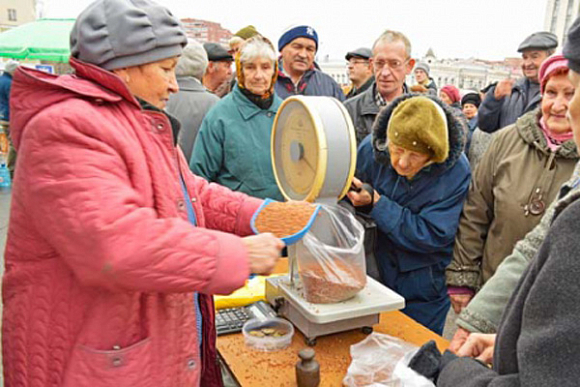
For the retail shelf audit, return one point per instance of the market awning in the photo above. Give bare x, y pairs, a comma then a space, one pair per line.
43, 39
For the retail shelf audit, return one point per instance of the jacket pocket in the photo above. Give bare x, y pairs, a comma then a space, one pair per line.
130, 366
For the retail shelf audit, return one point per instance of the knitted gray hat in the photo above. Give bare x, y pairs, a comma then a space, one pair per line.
423, 66
114, 34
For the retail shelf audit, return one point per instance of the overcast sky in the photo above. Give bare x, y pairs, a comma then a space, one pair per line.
488, 29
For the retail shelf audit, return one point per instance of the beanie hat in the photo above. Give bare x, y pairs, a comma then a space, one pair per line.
10, 66
297, 32
419, 124
247, 32
114, 34
423, 66
572, 46
472, 98
452, 92
550, 66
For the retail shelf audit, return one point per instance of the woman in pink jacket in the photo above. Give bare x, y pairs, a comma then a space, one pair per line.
114, 248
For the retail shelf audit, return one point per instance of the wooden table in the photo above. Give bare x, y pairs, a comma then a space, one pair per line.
253, 368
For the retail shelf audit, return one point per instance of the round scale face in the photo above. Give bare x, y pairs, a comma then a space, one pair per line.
299, 152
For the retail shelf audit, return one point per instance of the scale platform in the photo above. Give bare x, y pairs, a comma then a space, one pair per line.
314, 320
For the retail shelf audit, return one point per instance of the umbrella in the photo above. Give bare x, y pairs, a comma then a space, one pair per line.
43, 39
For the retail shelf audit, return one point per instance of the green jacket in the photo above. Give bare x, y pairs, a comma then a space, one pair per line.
517, 171
233, 146
484, 312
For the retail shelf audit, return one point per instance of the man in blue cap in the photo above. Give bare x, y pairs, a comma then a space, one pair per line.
297, 72
505, 102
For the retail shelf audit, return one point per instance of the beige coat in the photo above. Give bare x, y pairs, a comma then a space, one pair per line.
517, 178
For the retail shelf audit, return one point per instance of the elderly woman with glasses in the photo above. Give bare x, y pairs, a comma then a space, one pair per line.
233, 146
114, 247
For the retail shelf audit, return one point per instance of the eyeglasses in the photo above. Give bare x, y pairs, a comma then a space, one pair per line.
392, 64
356, 61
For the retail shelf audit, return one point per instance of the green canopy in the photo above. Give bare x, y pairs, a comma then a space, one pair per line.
43, 39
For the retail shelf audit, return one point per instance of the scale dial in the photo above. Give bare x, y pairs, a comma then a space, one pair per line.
304, 165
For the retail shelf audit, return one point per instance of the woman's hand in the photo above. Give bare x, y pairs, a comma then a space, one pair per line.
362, 197
460, 301
263, 252
479, 346
459, 338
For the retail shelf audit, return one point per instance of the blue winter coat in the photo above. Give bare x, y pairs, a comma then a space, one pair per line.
233, 146
5, 84
417, 219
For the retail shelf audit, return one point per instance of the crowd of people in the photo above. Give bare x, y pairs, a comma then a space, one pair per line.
159, 152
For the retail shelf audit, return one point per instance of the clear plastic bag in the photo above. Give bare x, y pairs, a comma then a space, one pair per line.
331, 258
382, 361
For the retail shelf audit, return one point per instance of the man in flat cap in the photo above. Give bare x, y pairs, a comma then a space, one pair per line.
360, 71
297, 73
509, 99
218, 74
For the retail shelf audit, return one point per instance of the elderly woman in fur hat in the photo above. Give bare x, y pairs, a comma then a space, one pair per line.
114, 247
233, 145
415, 163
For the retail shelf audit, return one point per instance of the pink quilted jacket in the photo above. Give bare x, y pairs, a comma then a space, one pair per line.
101, 261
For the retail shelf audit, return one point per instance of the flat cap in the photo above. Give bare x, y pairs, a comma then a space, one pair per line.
361, 52
542, 40
216, 52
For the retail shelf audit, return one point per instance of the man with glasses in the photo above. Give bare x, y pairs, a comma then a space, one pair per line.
360, 71
391, 62
297, 72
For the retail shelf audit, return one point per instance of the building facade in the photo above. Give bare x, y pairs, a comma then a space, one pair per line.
205, 31
16, 12
560, 14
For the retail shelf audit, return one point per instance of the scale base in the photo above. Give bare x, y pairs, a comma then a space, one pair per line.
315, 320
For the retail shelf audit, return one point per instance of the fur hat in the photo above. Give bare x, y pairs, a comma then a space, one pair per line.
113, 34
297, 32
472, 98
419, 124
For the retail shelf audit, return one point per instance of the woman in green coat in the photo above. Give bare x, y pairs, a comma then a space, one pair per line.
233, 145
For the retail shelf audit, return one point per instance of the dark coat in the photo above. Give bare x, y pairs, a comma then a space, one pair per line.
537, 342
495, 114
363, 110
365, 86
5, 84
189, 106
313, 82
417, 219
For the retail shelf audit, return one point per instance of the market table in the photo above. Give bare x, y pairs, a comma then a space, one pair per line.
253, 368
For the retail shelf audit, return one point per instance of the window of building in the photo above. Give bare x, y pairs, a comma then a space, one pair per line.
11, 14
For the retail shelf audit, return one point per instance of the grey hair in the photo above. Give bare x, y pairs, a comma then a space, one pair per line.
257, 47
394, 36
193, 60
